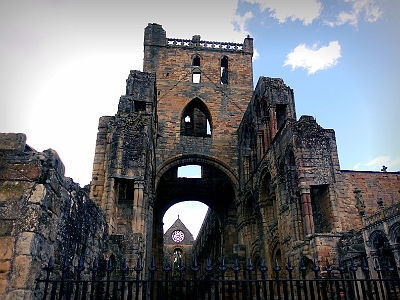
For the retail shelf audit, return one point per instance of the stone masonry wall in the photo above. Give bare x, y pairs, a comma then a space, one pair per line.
42, 214
360, 194
226, 103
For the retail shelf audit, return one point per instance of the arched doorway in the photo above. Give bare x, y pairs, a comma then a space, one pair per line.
215, 188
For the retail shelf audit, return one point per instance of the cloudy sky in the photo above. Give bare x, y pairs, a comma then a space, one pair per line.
64, 64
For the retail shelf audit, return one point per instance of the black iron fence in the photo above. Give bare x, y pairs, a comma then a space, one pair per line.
220, 282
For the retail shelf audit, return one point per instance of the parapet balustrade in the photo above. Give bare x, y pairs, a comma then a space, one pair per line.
205, 44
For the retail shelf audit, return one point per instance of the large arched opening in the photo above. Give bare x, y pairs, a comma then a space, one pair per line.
215, 188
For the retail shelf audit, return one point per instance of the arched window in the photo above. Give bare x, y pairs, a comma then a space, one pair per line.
196, 61
196, 74
196, 119
224, 70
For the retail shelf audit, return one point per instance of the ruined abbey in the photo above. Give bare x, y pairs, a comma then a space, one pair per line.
272, 181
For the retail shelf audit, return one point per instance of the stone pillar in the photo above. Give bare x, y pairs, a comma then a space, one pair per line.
138, 220
306, 208
260, 141
273, 122
396, 255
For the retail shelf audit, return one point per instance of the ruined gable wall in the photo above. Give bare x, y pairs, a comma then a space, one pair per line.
42, 214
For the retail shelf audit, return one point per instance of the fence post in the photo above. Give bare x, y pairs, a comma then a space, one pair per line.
290, 269
276, 269
49, 268
79, 268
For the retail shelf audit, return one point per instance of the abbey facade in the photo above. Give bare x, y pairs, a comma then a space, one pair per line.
272, 181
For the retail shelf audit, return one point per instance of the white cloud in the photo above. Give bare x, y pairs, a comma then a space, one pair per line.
312, 58
256, 55
239, 22
305, 10
393, 165
369, 8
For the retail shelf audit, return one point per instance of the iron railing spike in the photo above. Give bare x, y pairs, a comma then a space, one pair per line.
364, 264
328, 266
353, 266
66, 261
301, 265
276, 266
289, 266
166, 267
123, 267
95, 263
153, 266
236, 267
389, 266
138, 266
223, 267
81, 261
263, 266
50, 264
249, 262
377, 265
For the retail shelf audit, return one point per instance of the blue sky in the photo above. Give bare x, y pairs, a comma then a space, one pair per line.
64, 64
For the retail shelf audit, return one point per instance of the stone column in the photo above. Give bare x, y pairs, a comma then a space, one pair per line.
138, 208
306, 208
273, 122
260, 142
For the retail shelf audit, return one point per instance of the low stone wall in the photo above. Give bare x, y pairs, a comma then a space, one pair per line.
42, 214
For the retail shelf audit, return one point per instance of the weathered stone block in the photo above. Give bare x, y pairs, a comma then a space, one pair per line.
6, 227
6, 247
4, 268
38, 194
13, 190
24, 241
21, 268
12, 141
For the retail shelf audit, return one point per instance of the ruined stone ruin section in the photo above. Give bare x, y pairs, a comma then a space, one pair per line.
296, 201
123, 168
42, 214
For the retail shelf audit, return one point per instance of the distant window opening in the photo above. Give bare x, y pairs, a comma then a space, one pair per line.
224, 70
140, 106
125, 190
208, 128
280, 114
321, 208
190, 171
196, 77
177, 254
196, 119
191, 213
196, 61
